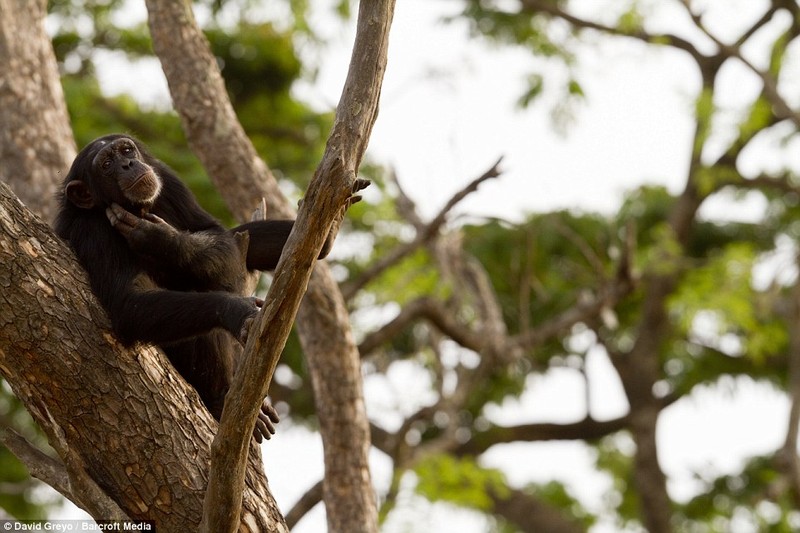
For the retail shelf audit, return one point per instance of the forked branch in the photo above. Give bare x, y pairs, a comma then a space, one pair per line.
330, 190
423, 235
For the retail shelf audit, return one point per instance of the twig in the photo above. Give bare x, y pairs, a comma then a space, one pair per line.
783, 109
424, 235
554, 9
405, 205
40, 465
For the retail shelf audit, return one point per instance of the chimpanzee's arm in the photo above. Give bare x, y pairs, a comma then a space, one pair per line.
210, 257
138, 309
162, 316
267, 239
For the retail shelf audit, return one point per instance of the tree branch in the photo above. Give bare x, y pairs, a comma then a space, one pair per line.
405, 205
40, 465
36, 142
328, 192
86, 493
529, 513
554, 9
580, 312
209, 120
218, 139
757, 25
306, 502
431, 310
423, 236
770, 84
587, 429
787, 456
639, 369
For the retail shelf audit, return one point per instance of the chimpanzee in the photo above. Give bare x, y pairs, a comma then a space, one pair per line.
163, 268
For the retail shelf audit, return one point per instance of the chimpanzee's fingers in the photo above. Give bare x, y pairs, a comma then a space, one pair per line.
360, 184
264, 423
155, 219
121, 219
268, 410
261, 431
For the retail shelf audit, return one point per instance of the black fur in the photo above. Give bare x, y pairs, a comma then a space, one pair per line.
163, 268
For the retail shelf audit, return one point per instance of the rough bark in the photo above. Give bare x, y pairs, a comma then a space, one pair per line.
130, 421
36, 140
217, 137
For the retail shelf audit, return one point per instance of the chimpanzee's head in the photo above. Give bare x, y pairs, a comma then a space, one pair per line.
113, 169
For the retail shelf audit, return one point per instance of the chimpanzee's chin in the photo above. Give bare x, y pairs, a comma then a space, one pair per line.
144, 191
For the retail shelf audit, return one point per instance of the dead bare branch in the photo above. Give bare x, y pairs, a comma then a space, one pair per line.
406, 207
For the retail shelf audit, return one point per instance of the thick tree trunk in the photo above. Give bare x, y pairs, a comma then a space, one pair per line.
36, 143
336, 375
129, 420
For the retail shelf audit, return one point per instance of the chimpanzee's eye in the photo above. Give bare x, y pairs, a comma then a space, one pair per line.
107, 164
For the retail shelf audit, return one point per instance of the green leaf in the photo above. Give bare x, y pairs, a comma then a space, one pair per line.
631, 21
459, 481
535, 87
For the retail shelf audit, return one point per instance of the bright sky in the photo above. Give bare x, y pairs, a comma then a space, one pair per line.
448, 112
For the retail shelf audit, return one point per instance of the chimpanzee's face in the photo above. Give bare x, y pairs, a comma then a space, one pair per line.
113, 170
120, 167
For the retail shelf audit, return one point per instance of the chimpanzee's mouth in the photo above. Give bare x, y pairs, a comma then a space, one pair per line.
137, 181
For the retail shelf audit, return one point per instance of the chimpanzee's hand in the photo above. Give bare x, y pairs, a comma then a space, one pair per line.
358, 185
265, 423
268, 416
140, 232
248, 321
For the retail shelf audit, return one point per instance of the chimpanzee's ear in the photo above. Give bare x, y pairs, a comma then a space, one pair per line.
79, 194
